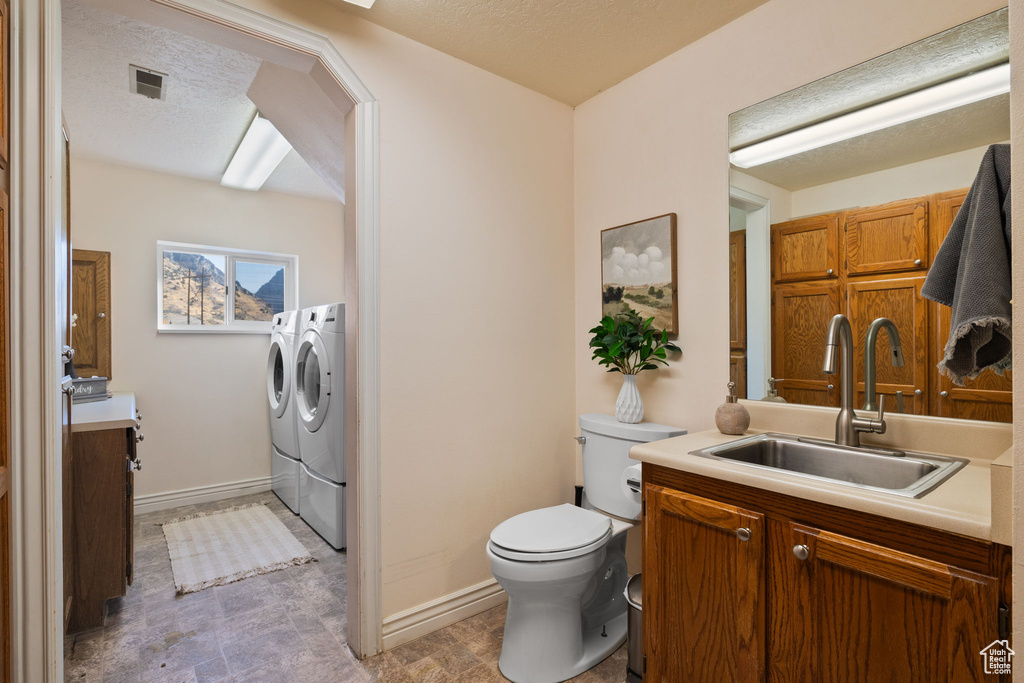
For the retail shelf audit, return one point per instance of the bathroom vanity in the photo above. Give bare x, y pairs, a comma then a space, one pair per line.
754, 573
100, 536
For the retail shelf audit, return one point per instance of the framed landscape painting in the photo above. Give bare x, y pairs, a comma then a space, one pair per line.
638, 270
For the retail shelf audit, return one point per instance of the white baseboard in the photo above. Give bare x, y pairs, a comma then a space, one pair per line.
430, 616
151, 502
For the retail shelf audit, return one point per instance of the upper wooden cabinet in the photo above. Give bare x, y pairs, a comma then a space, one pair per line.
856, 611
90, 301
806, 249
800, 316
887, 238
899, 299
704, 596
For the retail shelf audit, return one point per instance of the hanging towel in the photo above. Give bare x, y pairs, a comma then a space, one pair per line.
971, 274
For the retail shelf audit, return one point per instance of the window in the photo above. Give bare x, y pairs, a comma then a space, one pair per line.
214, 289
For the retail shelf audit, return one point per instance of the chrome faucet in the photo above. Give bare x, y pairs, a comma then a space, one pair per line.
869, 356
839, 338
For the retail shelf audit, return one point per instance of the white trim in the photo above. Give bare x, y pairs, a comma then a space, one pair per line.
151, 502
426, 618
36, 282
759, 226
365, 555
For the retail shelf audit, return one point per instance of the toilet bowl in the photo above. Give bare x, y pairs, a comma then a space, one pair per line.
564, 567
564, 614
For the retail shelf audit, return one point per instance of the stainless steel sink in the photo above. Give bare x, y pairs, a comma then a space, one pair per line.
896, 472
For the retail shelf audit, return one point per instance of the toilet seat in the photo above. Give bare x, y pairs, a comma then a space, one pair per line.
554, 533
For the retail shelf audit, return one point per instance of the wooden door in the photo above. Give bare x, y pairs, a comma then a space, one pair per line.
738, 311
67, 453
987, 397
852, 611
899, 299
704, 596
806, 249
91, 303
888, 238
800, 316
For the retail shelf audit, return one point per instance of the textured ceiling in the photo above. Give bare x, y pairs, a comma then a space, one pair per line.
975, 45
569, 50
192, 133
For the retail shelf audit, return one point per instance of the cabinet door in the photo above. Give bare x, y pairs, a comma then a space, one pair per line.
704, 598
738, 290
91, 303
806, 249
899, 299
987, 397
888, 238
800, 317
854, 611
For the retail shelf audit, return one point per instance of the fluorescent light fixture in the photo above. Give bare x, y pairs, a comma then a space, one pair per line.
259, 153
362, 3
938, 98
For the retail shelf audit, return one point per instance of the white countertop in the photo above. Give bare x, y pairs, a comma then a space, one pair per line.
115, 413
971, 502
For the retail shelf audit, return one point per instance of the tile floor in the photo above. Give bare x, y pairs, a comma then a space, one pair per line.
287, 626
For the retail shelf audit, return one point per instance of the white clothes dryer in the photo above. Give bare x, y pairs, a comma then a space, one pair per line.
320, 407
284, 452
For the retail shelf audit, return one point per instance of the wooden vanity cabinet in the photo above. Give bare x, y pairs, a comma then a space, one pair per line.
103, 521
744, 584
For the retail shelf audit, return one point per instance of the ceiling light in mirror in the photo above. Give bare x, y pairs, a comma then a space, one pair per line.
939, 98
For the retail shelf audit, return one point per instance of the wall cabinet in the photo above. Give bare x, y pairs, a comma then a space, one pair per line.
742, 584
886, 251
90, 301
800, 315
806, 249
887, 238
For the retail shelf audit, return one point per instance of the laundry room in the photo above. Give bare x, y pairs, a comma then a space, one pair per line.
181, 180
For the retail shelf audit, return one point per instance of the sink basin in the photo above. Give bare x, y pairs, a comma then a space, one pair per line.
903, 474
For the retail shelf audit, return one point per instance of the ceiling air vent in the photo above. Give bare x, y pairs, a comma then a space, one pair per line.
147, 82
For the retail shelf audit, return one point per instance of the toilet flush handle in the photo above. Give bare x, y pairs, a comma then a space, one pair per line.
580, 439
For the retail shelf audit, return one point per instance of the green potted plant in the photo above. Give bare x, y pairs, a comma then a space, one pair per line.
630, 344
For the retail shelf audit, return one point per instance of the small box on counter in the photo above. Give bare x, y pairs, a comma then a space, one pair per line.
89, 389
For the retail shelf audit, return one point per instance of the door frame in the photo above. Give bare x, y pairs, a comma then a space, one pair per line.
37, 647
759, 297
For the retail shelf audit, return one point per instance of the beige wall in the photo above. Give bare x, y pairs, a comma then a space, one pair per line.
947, 172
203, 396
671, 120
476, 302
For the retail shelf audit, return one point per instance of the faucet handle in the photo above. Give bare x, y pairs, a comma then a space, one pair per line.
881, 408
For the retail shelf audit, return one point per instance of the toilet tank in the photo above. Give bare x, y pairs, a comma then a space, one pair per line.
606, 455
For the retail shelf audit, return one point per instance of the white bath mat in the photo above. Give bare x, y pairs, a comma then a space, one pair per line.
217, 548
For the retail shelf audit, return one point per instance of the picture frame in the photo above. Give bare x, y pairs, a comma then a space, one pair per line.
638, 270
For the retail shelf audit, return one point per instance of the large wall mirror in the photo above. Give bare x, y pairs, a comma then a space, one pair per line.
847, 217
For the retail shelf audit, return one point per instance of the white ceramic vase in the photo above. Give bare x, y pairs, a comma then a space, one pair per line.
629, 407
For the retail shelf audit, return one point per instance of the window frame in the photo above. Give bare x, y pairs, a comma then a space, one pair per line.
290, 262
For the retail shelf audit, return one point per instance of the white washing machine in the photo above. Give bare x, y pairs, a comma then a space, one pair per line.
320, 407
284, 436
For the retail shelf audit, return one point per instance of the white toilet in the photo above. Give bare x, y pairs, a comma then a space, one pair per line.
564, 567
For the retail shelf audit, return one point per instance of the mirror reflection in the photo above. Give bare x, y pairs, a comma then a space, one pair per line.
841, 195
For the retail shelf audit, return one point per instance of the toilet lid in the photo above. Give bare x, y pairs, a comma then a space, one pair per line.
550, 530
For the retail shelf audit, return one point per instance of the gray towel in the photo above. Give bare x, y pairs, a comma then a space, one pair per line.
971, 274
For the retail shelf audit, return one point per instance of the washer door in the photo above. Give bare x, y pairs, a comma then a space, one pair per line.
312, 381
279, 376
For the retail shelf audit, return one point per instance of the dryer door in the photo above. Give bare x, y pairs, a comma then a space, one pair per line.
313, 381
279, 376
